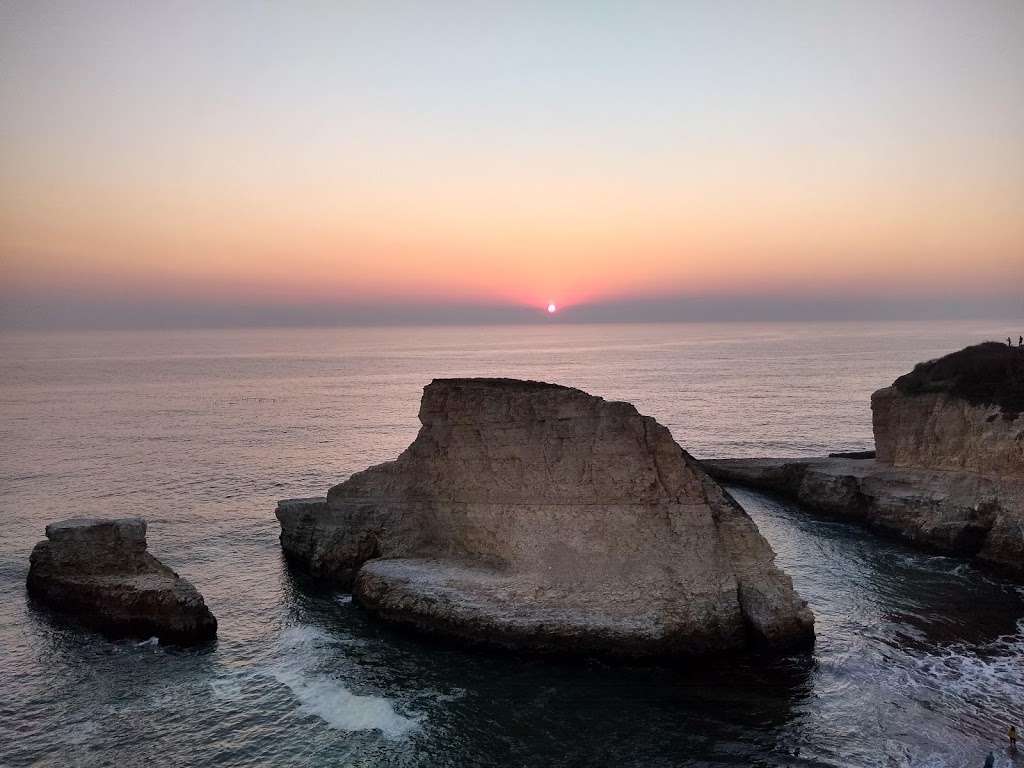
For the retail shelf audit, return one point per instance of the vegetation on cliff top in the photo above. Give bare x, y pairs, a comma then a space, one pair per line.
990, 373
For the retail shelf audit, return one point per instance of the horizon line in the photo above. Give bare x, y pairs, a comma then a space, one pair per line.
74, 313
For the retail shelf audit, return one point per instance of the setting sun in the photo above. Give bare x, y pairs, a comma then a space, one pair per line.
771, 448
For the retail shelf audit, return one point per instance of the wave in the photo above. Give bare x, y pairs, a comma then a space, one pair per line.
336, 705
989, 673
302, 652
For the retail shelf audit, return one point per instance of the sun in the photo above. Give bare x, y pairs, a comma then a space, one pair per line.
552, 309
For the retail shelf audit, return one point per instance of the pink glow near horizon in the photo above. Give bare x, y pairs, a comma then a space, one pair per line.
511, 157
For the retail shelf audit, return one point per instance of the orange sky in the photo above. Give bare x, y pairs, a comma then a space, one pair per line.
831, 160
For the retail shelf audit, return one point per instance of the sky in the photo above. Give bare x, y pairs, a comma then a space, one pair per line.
283, 163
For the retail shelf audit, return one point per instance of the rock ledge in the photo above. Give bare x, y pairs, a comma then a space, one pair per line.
960, 513
948, 468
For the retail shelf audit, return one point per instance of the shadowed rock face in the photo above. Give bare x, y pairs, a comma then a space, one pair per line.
537, 516
991, 373
960, 412
99, 571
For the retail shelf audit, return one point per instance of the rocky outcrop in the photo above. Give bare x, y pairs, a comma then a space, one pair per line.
956, 512
100, 572
960, 412
530, 515
948, 468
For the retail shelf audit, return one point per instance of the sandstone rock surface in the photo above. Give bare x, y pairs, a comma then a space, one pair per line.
957, 512
531, 515
960, 412
100, 572
948, 467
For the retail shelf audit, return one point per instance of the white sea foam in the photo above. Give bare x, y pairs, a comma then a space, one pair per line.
306, 635
337, 706
230, 686
987, 676
304, 650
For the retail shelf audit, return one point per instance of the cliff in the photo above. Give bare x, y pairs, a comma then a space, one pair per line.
948, 468
99, 572
960, 412
530, 515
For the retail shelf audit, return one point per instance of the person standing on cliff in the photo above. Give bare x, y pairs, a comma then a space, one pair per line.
1020, 341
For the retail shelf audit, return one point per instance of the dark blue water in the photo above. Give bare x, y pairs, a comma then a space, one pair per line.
919, 661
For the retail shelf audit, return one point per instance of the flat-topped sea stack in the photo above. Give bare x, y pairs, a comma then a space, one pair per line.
100, 572
948, 471
535, 516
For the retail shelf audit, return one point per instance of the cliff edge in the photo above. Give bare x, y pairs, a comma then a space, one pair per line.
531, 515
960, 412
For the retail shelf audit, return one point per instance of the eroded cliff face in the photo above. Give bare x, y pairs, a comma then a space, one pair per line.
960, 412
940, 431
532, 515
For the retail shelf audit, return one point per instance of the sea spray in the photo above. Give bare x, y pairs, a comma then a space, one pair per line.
298, 664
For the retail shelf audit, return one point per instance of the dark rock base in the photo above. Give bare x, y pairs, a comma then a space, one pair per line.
98, 573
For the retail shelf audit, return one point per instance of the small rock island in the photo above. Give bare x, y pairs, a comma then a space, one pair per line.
535, 516
948, 468
100, 572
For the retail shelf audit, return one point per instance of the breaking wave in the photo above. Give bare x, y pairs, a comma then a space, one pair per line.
332, 702
299, 663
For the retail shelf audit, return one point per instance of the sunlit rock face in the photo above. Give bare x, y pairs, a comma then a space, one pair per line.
531, 515
960, 412
99, 572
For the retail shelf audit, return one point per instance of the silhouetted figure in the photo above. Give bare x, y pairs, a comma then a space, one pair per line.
1020, 341
1009, 341
990, 761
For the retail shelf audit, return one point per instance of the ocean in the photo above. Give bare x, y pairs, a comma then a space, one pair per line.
919, 659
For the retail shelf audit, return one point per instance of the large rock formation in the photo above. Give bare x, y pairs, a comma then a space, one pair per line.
532, 515
100, 572
948, 471
956, 512
960, 412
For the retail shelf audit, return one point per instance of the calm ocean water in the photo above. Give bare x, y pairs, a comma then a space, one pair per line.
919, 661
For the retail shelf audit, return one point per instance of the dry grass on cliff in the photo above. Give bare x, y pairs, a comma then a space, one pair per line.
990, 373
